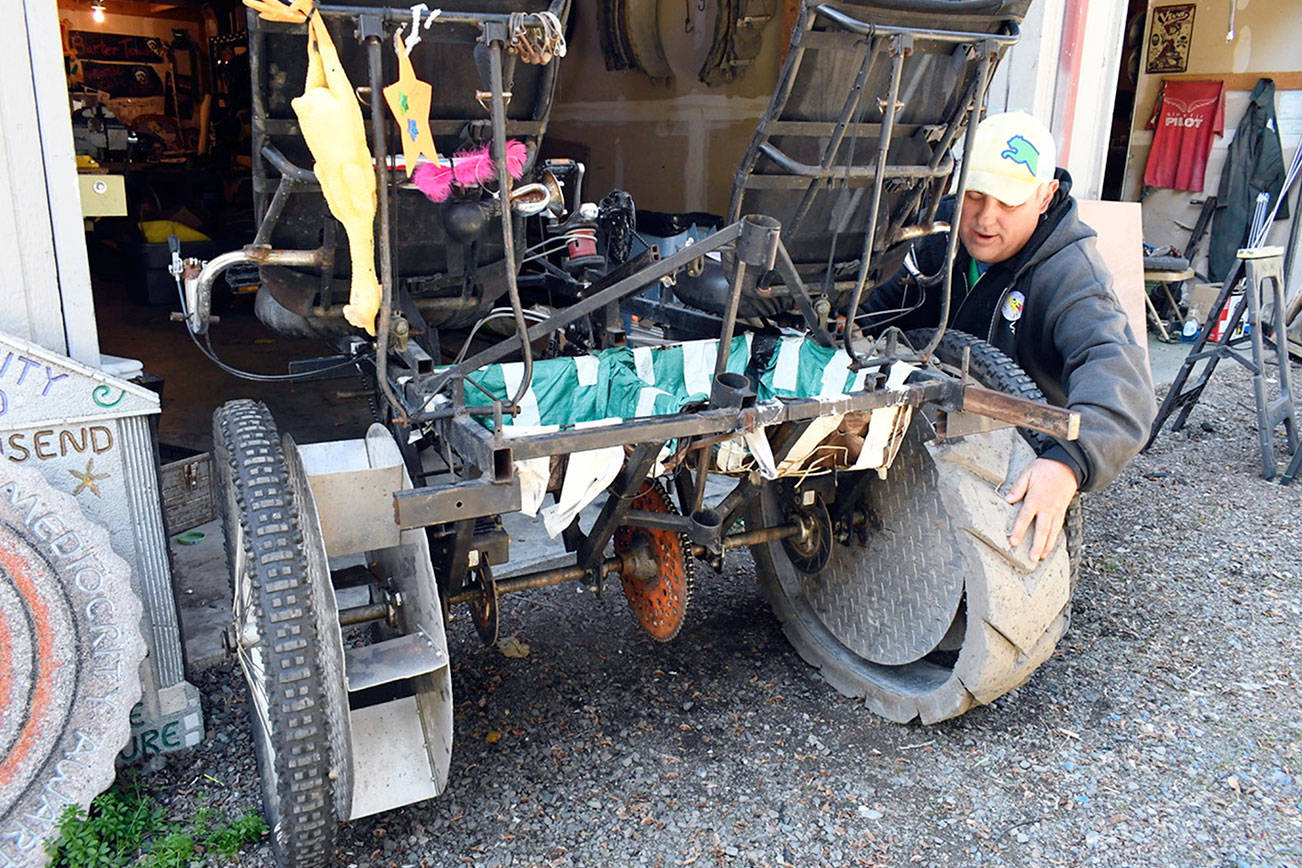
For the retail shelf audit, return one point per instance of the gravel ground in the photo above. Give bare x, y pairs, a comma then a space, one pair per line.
1164, 731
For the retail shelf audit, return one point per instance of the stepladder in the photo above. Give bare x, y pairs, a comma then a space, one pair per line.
1259, 271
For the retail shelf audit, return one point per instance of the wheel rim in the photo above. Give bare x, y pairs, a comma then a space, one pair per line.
916, 675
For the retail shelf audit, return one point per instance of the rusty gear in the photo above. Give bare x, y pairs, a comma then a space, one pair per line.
659, 603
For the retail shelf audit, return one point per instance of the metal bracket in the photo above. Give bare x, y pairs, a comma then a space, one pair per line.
617, 504
370, 25
422, 507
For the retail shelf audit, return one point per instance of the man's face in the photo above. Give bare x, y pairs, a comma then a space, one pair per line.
992, 231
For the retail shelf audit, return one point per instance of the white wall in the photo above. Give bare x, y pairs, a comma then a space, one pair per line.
1034, 77
45, 292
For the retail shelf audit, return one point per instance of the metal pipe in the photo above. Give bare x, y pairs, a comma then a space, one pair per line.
863, 28
951, 249
200, 307
900, 48
374, 63
853, 173
363, 614
781, 93
730, 317
548, 78
274, 210
508, 240
561, 575
754, 537
281, 164
543, 579
258, 114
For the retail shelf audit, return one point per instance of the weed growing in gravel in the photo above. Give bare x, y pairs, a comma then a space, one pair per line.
126, 826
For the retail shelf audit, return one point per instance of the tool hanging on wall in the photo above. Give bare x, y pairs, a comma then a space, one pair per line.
409, 100
330, 118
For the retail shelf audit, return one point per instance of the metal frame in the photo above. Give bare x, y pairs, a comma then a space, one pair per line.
899, 43
412, 577
432, 401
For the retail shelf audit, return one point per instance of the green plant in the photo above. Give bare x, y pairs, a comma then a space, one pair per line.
228, 840
126, 826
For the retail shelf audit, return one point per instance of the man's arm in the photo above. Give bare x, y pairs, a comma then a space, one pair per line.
1105, 378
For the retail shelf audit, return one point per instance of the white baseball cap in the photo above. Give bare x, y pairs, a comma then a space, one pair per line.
1012, 155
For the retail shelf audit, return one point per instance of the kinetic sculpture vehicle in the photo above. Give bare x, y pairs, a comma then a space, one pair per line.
863, 473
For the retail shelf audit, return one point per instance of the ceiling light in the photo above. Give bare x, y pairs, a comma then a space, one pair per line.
97, 12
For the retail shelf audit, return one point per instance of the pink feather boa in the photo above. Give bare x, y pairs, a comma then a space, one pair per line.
468, 169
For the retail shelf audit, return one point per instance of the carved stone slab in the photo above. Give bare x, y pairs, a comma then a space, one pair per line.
70, 654
88, 434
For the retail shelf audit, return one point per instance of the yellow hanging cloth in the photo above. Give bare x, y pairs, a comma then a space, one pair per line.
331, 122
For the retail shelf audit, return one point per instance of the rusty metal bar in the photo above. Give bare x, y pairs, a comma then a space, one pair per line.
544, 579
363, 614
561, 575
1054, 421
753, 537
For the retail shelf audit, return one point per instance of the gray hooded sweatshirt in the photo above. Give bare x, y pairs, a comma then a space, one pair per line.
1051, 307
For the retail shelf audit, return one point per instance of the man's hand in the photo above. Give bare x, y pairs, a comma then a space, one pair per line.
1045, 489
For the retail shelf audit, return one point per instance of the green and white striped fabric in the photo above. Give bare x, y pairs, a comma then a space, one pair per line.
626, 383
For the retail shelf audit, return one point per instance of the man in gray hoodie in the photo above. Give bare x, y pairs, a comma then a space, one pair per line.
1028, 278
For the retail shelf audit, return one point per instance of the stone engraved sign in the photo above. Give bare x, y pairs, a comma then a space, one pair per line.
88, 434
70, 654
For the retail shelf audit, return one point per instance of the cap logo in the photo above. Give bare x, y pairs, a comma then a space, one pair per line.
1020, 150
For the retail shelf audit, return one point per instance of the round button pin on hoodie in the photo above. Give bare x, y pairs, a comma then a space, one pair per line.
1013, 304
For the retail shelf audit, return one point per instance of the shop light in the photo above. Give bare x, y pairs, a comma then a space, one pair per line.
97, 12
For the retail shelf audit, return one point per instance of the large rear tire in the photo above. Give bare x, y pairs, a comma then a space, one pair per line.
925, 611
289, 650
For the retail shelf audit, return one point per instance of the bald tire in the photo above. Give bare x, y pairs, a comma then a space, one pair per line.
70, 655
277, 631
1011, 613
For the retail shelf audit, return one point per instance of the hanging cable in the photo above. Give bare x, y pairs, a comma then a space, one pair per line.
207, 350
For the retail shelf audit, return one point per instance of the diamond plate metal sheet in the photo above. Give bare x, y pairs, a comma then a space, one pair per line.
892, 601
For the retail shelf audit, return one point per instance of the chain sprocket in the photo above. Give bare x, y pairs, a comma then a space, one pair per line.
659, 603
483, 609
812, 548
